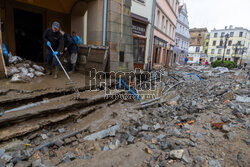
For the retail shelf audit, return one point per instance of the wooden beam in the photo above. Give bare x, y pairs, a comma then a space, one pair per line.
3, 71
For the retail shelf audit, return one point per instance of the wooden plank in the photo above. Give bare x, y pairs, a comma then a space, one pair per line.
3, 71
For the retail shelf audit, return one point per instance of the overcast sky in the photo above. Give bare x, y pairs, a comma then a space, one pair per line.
218, 13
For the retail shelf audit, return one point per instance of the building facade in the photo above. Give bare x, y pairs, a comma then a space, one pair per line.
98, 22
164, 32
182, 37
197, 39
237, 46
141, 12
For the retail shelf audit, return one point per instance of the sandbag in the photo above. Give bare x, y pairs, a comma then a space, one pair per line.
38, 73
38, 68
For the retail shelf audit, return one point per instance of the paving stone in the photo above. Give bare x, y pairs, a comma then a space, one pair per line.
44, 136
145, 127
131, 139
214, 163
2, 151
59, 143
61, 130
176, 154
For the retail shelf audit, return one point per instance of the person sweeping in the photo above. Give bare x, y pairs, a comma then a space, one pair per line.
54, 39
71, 47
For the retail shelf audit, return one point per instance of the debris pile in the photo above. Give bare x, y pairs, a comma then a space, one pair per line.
23, 70
199, 117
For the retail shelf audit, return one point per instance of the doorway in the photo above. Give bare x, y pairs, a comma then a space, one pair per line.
28, 35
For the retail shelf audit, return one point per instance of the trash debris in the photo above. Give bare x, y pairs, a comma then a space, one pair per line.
218, 125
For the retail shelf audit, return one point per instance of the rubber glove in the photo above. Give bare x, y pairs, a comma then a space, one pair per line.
48, 44
55, 53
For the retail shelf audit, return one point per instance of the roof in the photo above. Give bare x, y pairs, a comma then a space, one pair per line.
198, 29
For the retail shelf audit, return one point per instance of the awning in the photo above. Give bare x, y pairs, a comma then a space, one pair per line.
139, 18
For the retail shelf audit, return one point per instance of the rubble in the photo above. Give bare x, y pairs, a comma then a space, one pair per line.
193, 122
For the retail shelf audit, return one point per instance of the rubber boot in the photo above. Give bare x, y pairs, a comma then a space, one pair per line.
49, 70
56, 74
73, 69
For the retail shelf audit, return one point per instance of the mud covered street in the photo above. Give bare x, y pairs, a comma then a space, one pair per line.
199, 117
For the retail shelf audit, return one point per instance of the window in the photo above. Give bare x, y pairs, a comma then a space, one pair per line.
142, 1
229, 43
206, 43
197, 49
222, 34
199, 41
219, 51
212, 51
170, 29
158, 19
241, 34
208, 36
221, 43
173, 33
206, 51
228, 51
215, 35
139, 49
231, 34
214, 43
199, 34
166, 28
239, 42
162, 23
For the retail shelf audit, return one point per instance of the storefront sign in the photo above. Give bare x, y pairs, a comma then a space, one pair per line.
139, 28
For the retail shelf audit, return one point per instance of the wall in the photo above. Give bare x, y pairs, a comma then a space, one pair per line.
119, 35
95, 21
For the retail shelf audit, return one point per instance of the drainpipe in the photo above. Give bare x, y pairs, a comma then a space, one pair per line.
151, 35
104, 22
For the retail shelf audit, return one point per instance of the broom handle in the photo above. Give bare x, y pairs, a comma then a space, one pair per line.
60, 64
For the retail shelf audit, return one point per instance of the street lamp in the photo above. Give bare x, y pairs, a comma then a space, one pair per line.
225, 45
242, 54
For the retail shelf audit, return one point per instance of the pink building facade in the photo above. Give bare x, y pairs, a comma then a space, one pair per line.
164, 32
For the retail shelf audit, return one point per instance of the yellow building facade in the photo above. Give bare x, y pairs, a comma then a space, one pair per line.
237, 46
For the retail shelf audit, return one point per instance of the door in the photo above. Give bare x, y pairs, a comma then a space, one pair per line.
28, 35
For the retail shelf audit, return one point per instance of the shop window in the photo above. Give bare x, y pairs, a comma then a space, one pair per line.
139, 49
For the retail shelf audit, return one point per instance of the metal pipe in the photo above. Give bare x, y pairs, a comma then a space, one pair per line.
151, 35
104, 22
